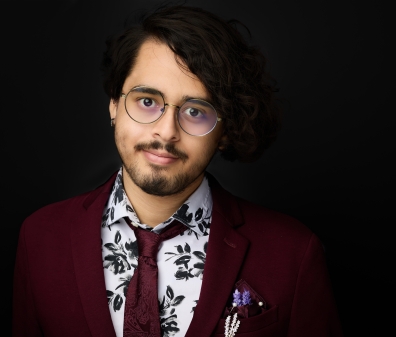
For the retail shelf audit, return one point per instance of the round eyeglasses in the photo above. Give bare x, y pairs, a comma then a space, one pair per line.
146, 105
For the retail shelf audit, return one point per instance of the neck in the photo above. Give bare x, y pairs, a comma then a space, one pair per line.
151, 209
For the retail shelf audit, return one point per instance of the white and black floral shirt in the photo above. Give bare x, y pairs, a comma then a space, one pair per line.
180, 260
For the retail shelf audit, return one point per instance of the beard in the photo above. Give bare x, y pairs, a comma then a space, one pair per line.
157, 182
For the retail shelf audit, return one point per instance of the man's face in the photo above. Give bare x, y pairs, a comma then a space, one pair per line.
160, 157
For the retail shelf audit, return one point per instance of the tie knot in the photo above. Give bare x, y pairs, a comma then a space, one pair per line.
148, 242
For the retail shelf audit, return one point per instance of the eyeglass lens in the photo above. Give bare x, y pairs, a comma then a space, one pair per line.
145, 105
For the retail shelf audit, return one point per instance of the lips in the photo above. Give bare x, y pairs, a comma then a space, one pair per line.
159, 157
161, 154
165, 151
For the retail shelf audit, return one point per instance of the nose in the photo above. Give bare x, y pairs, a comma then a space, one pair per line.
167, 127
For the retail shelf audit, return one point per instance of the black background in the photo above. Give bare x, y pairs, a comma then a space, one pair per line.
331, 167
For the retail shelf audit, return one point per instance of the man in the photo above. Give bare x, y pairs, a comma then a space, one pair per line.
182, 85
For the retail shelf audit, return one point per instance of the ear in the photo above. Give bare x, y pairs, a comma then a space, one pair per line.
113, 106
222, 145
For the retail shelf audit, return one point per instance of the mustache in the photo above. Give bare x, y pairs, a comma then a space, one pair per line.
156, 145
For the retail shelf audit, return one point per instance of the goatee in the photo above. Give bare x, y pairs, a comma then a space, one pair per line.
156, 183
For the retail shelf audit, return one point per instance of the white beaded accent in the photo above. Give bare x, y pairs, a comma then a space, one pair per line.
230, 330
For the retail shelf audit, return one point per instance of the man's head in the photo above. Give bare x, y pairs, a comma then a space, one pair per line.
161, 157
176, 55
213, 50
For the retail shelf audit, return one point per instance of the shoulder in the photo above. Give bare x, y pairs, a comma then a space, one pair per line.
252, 218
62, 213
259, 217
59, 208
260, 224
276, 230
54, 215
285, 239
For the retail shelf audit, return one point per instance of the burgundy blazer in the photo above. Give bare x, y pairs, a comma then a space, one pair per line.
59, 287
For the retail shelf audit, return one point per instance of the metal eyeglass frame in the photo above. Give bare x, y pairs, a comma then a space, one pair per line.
218, 119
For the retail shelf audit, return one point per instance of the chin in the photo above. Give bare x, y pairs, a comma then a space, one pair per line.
161, 183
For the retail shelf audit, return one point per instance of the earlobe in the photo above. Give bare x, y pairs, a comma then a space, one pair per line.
113, 106
222, 145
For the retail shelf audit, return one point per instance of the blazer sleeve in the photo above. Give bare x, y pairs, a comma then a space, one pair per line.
24, 321
314, 311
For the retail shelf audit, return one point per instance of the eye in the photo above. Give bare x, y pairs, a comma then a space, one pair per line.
193, 112
147, 102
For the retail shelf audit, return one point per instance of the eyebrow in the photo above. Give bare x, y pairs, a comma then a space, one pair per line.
150, 90
147, 90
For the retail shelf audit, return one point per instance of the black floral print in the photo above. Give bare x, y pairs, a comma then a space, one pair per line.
118, 194
114, 299
183, 258
201, 220
183, 216
193, 308
168, 318
117, 260
199, 266
124, 284
169, 302
132, 249
169, 326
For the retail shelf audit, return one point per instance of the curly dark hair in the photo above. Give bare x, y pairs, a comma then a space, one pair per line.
214, 50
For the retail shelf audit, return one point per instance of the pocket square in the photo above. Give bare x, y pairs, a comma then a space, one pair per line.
246, 302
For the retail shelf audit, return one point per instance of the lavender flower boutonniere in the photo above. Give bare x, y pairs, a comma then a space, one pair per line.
239, 300
243, 306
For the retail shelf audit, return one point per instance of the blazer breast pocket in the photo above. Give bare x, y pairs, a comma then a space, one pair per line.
252, 326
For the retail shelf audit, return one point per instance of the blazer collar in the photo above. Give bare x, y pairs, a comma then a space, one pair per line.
225, 255
87, 256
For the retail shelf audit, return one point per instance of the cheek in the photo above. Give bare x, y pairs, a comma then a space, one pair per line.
202, 149
130, 131
125, 137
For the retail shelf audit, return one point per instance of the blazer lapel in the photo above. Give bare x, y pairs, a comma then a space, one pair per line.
87, 256
225, 255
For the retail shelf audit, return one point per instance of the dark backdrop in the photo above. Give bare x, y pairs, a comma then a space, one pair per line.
331, 166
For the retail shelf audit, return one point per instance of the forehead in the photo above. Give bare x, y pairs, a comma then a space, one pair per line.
156, 66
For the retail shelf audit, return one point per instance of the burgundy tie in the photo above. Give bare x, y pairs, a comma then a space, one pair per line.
141, 316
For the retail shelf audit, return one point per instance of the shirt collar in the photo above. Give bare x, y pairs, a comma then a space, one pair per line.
195, 212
